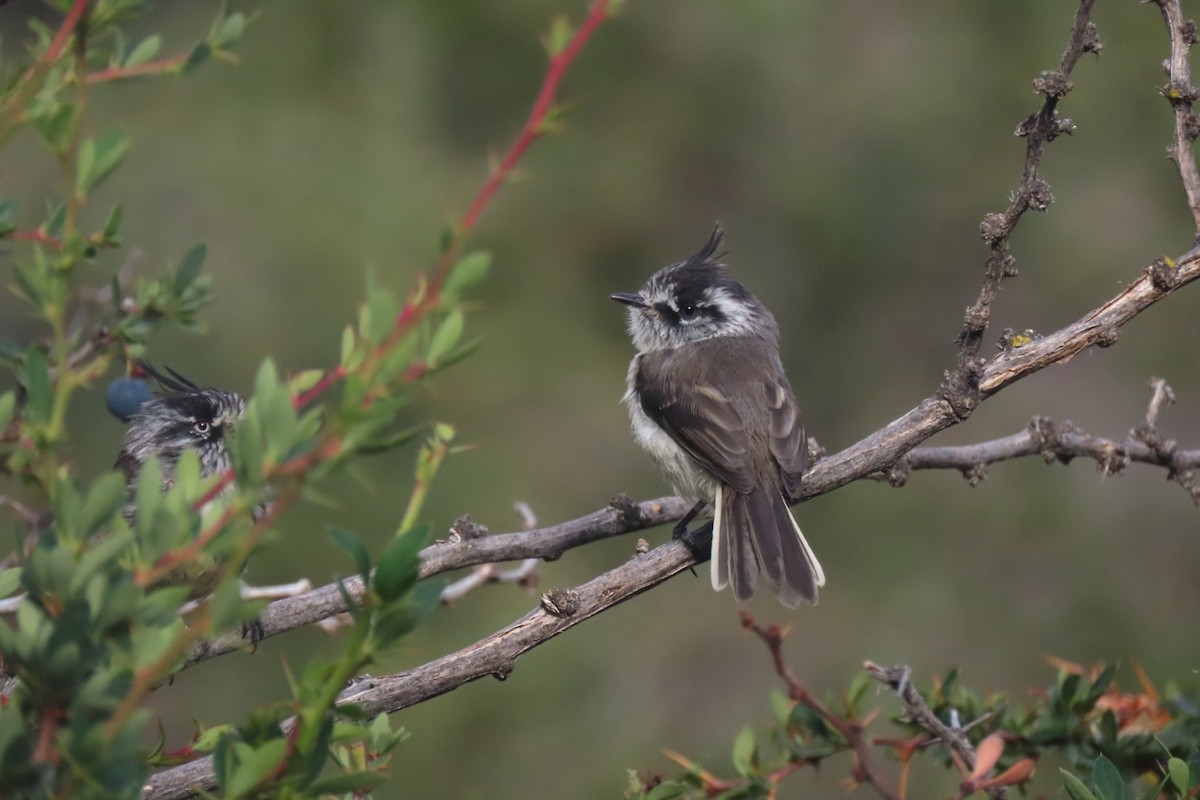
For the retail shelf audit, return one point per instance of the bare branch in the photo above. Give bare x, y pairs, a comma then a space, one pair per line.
524, 573
1163, 395
898, 679
1181, 94
559, 610
974, 380
622, 515
1039, 129
864, 766
1100, 327
1064, 442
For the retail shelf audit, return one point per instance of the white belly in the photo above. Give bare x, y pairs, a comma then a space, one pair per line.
681, 470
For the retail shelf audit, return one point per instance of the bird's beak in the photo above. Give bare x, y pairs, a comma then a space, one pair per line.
629, 299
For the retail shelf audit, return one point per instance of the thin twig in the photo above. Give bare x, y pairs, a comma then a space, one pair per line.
495, 655
1161, 396
524, 573
538, 123
621, 516
1181, 94
917, 711
1038, 129
864, 766
1062, 443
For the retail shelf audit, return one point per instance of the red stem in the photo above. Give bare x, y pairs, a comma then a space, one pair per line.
64, 32
530, 131
149, 68
541, 107
301, 400
39, 237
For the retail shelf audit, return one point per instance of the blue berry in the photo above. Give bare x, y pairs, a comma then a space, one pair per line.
125, 396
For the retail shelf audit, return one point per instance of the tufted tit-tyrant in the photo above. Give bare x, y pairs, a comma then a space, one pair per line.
709, 400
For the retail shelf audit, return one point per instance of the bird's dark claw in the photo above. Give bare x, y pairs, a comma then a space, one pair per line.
253, 632
698, 541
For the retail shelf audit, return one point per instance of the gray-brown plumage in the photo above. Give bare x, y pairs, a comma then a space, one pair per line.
709, 400
183, 417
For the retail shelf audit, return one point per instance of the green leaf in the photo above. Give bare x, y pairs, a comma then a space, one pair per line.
348, 357
1103, 682
10, 579
103, 500
189, 267
1107, 780
667, 790
148, 495
40, 398
98, 158
467, 273
448, 334
198, 56
781, 708
255, 765
392, 623
58, 126
459, 353
146, 49
301, 382
377, 315
1177, 769
382, 444
8, 403
1193, 770
273, 405
399, 565
8, 214
561, 33
55, 219
247, 446
1075, 788
351, 544
227, 606
858, 688
347, 783
110, 547
743, 752
187, 469
231, 29
112, 234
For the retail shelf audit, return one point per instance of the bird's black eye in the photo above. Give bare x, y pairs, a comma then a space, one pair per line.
688, 312
202, 428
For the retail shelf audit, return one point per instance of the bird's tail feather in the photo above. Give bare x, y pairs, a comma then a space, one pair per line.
755, 533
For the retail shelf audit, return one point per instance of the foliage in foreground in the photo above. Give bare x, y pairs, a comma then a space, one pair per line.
101, 626
1116, 745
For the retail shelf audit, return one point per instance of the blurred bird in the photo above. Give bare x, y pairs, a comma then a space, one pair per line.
709, 400
185, 417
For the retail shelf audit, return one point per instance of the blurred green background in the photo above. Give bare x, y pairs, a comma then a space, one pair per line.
850, 149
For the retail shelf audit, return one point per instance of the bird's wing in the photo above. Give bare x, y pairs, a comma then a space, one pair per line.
127, 464
788, 444
695, 408
698, 415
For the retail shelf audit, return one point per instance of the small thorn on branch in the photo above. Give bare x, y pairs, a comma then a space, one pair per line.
524, 574
1162, 395
560, 602
1163, 274
465, 528
628, 511
898, 473
1089, 40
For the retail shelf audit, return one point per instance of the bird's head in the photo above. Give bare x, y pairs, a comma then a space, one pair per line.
694, 300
